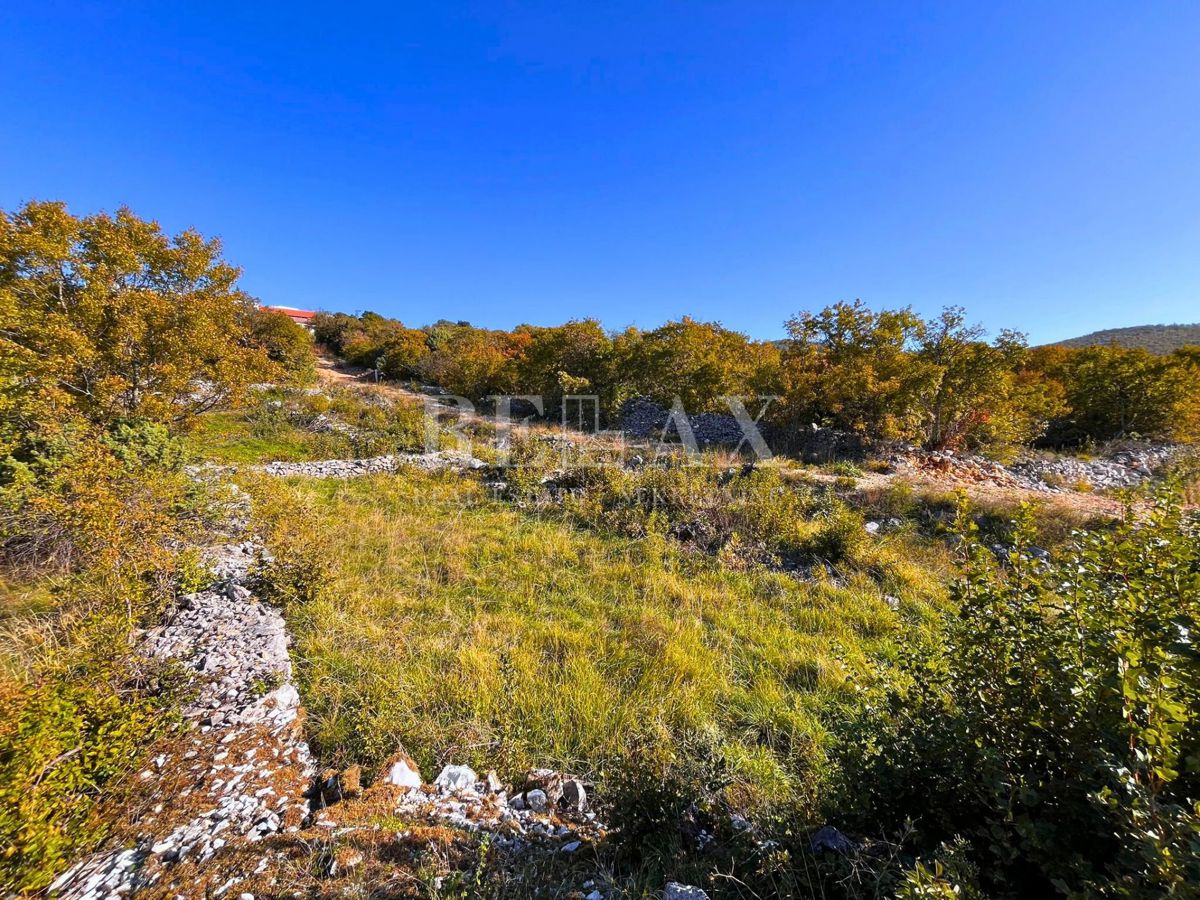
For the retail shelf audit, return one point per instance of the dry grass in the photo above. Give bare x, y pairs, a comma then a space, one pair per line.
460, 628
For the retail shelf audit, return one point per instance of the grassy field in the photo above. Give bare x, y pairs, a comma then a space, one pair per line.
281, 426
466, 630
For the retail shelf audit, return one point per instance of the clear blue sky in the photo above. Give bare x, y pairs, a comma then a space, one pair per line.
501, 162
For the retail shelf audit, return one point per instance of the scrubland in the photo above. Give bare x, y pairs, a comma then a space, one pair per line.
778, 679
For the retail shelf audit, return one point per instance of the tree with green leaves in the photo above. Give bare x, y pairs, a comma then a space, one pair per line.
574, 358
976, 394
1112, 393
106, 316
851, 368
698, 362
286, 343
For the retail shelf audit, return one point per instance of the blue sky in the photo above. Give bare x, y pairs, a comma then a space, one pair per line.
535, 162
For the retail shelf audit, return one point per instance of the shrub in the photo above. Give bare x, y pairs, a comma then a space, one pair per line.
846, 468
701, 506
77, 497
96, 516
78, 715
1054, 726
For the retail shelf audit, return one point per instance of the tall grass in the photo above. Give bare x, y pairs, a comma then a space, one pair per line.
464, 630
282, 426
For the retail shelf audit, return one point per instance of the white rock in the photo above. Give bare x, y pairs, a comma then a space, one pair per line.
537, 800
402, 774
285, 697
676, 891
456, 778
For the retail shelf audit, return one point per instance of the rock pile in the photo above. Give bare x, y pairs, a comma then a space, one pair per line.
554, 815
1125, 468
947, 465
375, 465
322, 423
1056, 474
820, 445
243, 768
643, 418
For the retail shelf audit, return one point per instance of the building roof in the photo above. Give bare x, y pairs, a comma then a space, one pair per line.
303, 316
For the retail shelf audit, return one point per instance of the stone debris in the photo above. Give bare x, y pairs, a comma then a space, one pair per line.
1125, 468
643, 418
676, 891
1051, 475
453, 778
243, 767
375, 465
322, 423
459, 799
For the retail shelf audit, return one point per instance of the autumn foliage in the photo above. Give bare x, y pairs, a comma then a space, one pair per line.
114, 336
885, 376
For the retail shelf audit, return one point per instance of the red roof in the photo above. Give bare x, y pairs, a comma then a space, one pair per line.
303, 316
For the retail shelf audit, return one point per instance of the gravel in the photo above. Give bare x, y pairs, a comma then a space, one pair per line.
244, 767
353, 468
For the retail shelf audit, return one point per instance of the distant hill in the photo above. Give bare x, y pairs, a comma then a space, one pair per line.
1155, 338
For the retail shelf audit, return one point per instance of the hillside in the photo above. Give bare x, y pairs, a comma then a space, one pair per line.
1155, 338
272, 628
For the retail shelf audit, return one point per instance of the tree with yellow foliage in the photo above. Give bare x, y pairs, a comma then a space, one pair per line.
106, 316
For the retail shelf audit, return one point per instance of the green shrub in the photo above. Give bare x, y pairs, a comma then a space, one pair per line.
81, 714
1055, 726
80, 497
96, 517
701, 506
840, 538
846, 468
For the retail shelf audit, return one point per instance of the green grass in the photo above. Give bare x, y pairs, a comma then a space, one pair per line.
22, 598
273, 429
465, 630
228, 437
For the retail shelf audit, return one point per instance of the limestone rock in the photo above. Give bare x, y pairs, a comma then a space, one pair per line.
402, 772
676, 891
456, 778
574, 796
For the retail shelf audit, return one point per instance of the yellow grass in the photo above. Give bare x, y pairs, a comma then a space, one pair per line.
467, 631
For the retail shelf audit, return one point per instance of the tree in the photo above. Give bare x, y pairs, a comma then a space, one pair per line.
971, 392
851, 368
892, 375
331, 329
403, 353
286, 343
575, 358
473, 362
106, 316
699, 362
1113, 392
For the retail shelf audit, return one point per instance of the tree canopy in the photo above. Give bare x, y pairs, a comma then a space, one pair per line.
106, 316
